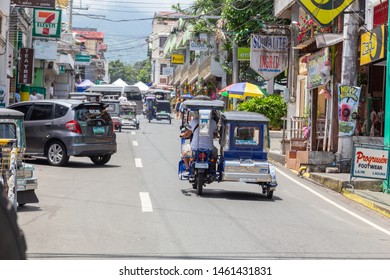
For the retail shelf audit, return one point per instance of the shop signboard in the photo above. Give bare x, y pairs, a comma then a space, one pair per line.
324, 12
370, 162
199, 43
372, 45
318, 69
47, 23
348, 108
268, 54
167, 71
244, 54
177, 58
48, 4
26, 66
81, 59
46, 50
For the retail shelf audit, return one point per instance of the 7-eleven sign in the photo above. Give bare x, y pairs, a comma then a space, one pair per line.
47, 23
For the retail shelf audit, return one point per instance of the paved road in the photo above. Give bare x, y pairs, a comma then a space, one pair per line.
135, 207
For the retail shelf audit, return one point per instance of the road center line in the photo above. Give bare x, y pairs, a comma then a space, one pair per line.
334, 203
133, 133
146, 202
135, 143
138, 162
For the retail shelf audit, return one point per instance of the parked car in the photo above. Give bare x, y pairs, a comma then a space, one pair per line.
60, 128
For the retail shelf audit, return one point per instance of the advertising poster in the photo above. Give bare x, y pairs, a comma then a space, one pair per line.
348, 107
269, 54
370, 163
318, 69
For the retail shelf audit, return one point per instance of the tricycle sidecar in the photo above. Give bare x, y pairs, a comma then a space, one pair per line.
128, 114
244, 150
163, 110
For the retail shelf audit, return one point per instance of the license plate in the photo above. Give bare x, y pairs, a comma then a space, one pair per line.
247, 180
98, 129
204, 165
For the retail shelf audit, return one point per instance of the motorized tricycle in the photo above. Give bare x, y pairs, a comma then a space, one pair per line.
18, 179
128, 114
163, 110
242, 153
149, 106
113, 109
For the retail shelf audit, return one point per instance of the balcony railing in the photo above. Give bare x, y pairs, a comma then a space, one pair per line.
205, 67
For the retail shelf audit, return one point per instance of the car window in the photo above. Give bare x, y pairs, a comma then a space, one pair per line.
60, 111
88, 113
22, 108
41, 112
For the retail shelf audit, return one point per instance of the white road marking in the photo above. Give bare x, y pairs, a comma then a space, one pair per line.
138, 162
146, 202
335, 204
135, 143
133, 133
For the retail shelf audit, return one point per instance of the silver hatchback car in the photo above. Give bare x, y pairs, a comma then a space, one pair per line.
59, 128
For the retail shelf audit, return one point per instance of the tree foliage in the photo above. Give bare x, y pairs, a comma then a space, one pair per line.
273, 107
131, 74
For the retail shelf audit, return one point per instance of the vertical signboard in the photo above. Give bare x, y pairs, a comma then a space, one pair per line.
47, 23
269, 54
348, 107
26, 66
318, 69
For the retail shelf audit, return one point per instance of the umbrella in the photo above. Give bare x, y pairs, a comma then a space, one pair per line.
242, 90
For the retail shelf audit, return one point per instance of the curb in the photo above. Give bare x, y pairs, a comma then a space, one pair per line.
365, 202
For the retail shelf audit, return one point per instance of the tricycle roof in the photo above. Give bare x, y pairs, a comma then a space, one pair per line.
244, 116
203, 104
10, 113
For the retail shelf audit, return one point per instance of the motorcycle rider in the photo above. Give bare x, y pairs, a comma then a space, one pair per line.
192, 132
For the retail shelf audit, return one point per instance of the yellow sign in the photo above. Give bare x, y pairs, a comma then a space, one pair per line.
62, 4
324, 11
177, 59
372, 45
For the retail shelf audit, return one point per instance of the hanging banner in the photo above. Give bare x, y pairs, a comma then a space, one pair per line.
244, 54
324, 11
268, 54
372, 45
318, 69
47, 23
348, 107
370, 162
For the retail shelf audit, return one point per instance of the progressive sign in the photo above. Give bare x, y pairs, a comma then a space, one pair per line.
268, 54
370, 163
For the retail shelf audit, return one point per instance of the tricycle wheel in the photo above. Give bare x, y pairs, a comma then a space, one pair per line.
269, 192
120, 128
199, 183
170, 121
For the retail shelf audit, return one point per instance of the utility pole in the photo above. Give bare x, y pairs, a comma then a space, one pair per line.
349, 67
386, 126
70, 15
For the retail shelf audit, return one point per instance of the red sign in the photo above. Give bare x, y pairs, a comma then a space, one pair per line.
381, 13
26, 66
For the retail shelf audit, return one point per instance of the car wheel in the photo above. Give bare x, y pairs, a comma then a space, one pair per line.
100, 160
56, 154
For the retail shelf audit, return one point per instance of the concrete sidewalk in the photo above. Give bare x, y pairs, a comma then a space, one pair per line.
367, 192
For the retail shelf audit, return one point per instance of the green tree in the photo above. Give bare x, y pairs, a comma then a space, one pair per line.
131, 74
273, 107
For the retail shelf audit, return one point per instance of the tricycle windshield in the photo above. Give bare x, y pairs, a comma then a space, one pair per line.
8, 131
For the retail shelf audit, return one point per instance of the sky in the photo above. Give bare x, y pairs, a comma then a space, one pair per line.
125, 39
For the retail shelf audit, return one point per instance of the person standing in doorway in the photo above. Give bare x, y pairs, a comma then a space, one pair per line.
374, 121
33, 96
